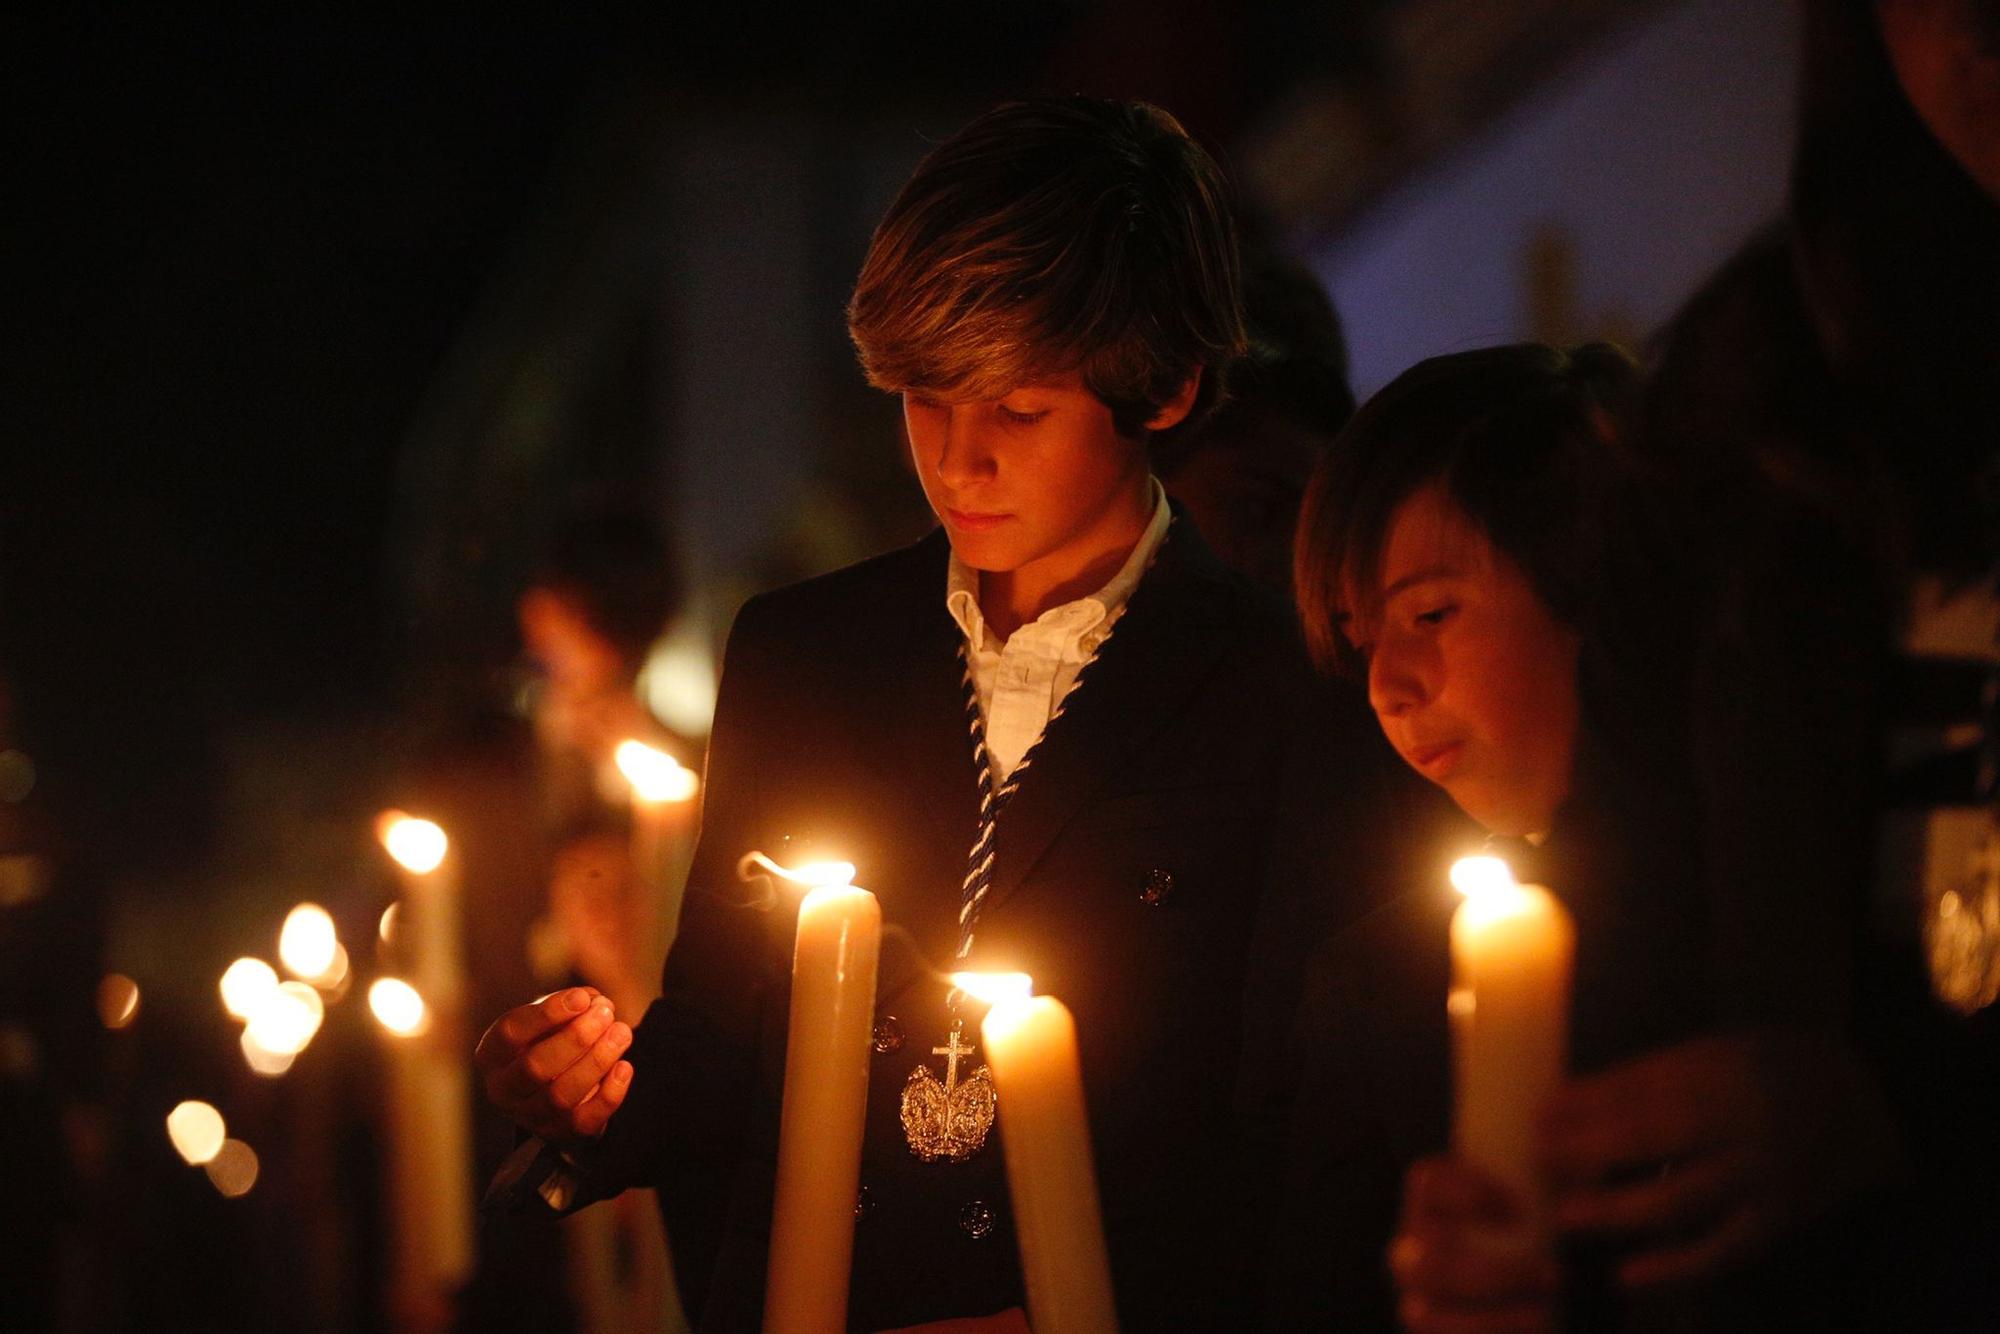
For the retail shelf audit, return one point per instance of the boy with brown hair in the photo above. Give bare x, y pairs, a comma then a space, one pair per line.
1054, 736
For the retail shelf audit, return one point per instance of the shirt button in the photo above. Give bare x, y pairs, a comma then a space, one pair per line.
1159, 887
976, 1220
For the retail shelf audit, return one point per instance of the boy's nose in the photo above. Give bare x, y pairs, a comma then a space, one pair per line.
965, 456
1395, 685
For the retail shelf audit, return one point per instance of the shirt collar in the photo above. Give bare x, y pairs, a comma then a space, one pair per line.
1085, 614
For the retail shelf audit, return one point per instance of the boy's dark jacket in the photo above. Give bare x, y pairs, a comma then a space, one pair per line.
1201, 812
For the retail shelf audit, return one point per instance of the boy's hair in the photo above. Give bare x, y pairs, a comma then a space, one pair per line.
1526, 440
1056, 235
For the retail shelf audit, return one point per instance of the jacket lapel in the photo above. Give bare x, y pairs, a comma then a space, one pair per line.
922, 705
1173, 632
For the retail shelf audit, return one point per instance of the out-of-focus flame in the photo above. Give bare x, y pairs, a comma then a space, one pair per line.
307, 943
233, 1170
418, 845
269, 1064
655, 776
392, 919
399, 1007
117, 1000
245, 985
196, 1130
287, 1019
994, 988
332, 983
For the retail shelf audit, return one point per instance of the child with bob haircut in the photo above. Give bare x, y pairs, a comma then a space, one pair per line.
1055, 736
1485, 547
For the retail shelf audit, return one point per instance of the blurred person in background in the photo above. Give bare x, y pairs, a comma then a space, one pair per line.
1241, 472
1823, 419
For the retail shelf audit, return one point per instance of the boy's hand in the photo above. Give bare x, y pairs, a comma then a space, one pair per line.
1705, 1151
553, 1066
1463, 1260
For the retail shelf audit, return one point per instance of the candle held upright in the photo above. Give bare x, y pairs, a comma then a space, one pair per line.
1031, 1047
429, 1077
1512, 952
834, 959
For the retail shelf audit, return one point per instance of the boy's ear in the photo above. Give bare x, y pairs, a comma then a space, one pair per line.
1175, 410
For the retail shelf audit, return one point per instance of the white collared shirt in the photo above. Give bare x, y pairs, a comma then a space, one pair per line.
1023, 678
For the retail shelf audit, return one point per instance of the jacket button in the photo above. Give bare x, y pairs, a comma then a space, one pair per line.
1159, 887
888, 1034
976, 1220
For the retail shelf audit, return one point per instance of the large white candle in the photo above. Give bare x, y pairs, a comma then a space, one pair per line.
429, 1074
826, 1103
1045, 1135
1512, 946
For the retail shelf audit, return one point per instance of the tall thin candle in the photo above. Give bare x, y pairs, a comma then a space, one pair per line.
1512, 947
834, 961
1045, 1133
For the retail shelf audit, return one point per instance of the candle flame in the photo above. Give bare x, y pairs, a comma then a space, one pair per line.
655, 776
117, 1000
307, 944
1475, 876
197, 1131
233, 1170
286, 1019
813, 875
245, 984
419, 845
398, 1006
994, 988
269, 1064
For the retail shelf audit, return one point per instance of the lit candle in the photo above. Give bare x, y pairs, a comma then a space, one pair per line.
826, 1103
662, 845
1031, 1048
430, 1105
1511, 952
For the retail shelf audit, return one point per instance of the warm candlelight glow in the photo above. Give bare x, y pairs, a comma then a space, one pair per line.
287, 1019
245, 985
1512, 947
1474, 876
994, 988
307, 942
812, 874
333, 982
117, 1000
1497, 902
233, 1170
655, 775
269, 1064
399, 1007
418, 845
390, 921
197, 1131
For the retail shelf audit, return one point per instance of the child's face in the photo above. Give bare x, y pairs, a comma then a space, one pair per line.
1039, 478
1473, 679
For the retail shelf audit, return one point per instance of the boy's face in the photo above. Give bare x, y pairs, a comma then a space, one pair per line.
1473, 679
1036, 482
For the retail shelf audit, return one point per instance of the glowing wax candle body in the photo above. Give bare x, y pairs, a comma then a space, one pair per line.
1511, 952
431, 1095
1031, 1047
826, 1103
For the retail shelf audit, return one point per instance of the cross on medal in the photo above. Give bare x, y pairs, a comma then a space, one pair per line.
951, 1051
948, 1122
